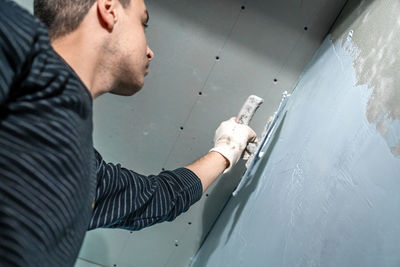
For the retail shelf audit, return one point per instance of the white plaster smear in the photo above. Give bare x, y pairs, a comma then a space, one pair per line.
377, 41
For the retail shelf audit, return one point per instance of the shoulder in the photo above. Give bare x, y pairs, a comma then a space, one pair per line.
18, 20
20, 34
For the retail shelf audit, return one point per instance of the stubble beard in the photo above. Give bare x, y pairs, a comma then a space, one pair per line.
123, 79
126, 81
125, 84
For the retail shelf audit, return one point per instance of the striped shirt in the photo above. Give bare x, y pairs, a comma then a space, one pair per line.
53, 184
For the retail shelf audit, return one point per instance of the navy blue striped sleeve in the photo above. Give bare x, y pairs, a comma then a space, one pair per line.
128, 200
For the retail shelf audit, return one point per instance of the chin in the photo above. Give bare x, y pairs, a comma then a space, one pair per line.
126, 89
125, 92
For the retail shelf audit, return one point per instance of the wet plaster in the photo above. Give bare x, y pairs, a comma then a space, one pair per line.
374, 27
327, 193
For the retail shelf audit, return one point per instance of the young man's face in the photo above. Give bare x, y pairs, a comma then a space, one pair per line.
129, 46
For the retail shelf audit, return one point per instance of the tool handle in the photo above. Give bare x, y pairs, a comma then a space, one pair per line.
248, 109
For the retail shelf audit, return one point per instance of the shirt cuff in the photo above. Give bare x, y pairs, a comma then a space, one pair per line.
191, 182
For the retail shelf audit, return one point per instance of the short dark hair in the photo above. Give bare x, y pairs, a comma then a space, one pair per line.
64, 16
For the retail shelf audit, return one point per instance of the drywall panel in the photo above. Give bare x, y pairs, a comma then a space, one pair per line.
326, 194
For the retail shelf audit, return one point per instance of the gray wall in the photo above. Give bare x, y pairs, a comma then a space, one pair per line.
327, 193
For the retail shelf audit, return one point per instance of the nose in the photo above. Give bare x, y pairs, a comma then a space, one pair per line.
150, 54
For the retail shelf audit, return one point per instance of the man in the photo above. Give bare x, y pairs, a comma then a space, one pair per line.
53, 184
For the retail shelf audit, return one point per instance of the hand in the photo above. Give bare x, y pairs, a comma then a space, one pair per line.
231, 139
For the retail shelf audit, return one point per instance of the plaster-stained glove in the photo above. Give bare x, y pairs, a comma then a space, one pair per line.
231, 139
250, 149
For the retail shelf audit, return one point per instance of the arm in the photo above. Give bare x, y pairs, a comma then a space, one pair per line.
230, 140
209, 167
126, 199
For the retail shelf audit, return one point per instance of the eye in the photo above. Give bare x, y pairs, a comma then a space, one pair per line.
145, 25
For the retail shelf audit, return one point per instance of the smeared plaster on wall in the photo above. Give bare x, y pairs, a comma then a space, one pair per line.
327, 194
375, 31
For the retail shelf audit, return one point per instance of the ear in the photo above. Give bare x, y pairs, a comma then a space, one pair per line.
107, 13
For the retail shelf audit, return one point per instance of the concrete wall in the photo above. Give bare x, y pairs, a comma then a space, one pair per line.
327, 193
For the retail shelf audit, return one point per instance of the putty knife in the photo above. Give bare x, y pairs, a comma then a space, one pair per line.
263, 146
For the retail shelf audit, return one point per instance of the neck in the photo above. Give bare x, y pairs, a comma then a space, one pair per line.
82, 52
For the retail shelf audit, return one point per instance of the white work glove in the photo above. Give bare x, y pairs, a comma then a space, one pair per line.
231, 139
